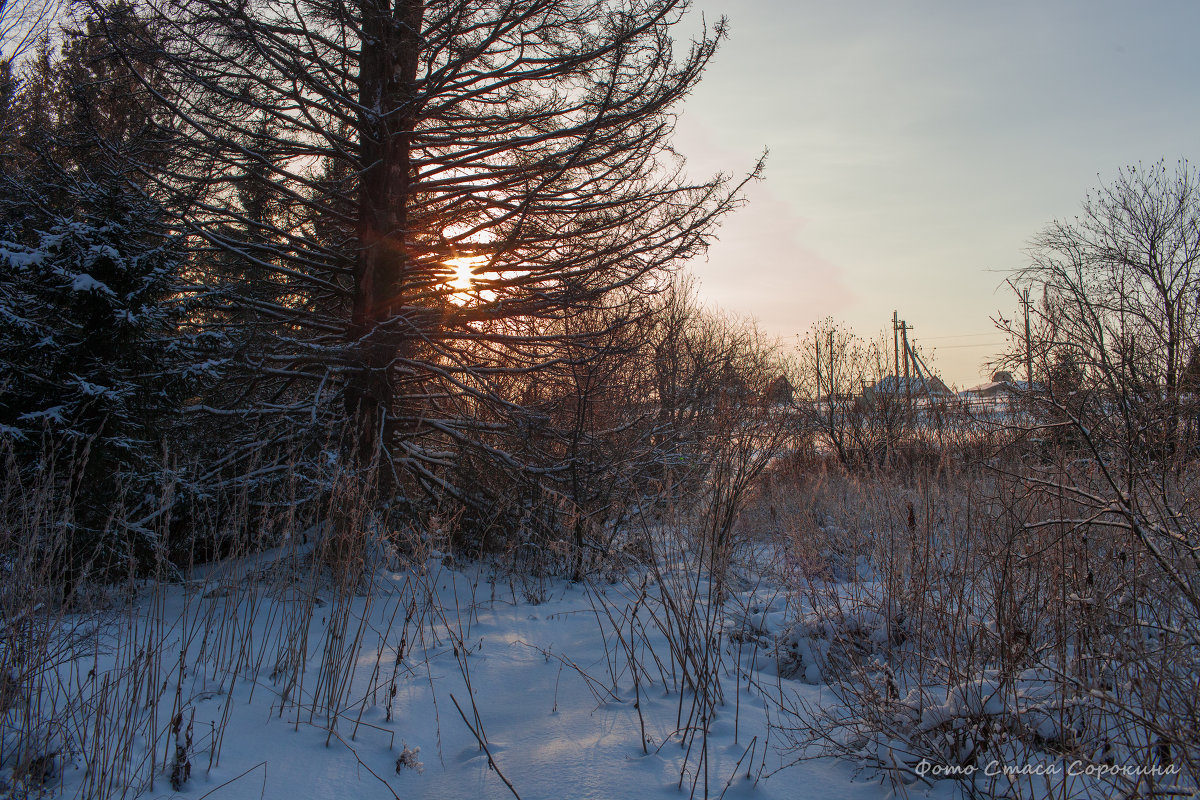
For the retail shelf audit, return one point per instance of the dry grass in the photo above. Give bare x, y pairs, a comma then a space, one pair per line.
969, 617
108, 676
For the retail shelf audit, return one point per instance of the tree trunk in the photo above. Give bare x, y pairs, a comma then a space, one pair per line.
387, 93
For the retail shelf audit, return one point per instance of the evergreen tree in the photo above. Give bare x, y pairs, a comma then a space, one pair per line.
94, 362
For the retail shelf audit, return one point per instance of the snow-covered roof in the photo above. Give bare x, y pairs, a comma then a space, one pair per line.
910, 385
995, 387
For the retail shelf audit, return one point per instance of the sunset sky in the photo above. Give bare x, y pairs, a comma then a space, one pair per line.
915, 147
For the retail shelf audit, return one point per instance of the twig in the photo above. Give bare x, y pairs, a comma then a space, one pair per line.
262, 764
491, 761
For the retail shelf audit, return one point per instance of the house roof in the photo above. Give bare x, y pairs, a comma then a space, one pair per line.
992, 388
911, 385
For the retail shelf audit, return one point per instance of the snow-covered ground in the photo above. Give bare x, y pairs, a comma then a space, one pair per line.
425, 678
246, 683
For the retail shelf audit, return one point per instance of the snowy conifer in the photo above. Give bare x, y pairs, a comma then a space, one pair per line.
93, 360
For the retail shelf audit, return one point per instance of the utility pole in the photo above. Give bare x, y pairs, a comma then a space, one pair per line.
831, 367
900, 328
1023, 299
1028, 342
817, 343
896, 344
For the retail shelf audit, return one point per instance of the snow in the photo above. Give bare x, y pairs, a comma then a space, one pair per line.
435, 678
20, 257
983, 697
535, 680
89, 389
86, 283
53, 414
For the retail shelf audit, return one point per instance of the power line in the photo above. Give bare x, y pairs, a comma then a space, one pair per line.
977, 344
958, 336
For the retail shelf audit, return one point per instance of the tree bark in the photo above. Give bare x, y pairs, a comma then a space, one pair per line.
388, 97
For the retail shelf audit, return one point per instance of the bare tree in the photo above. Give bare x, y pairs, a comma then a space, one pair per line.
718, 424
601, 419
400, 143
852, 402
1118, 308
22, 24
1110, 465
743, 428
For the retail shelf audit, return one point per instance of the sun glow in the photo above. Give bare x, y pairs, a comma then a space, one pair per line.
461, 282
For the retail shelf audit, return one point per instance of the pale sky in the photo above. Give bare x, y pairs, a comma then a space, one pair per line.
915, 148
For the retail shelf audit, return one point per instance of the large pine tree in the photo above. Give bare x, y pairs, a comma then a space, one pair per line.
385, 144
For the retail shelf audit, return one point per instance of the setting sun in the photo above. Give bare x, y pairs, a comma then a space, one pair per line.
462, 280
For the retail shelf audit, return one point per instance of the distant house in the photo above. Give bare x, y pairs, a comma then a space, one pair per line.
780, 392
989, 391
913, 386
1001, 385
